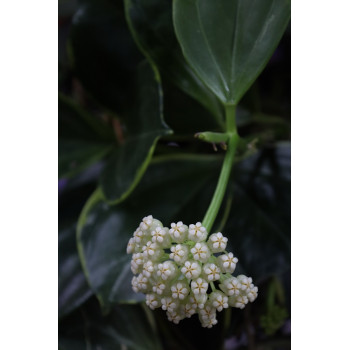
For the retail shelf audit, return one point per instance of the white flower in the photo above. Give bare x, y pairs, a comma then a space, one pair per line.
167, 270
252, 294
180, 285
191, 269
219, 300
178, 232
161, 236
179, 290
227, 262
197, 232
179, 253
169, 304
198, 300
149, 249
245, 281
174, 316
199, 286
142, 282
210, 323
131, 246
238, 301
137, 263
211, 271
152, 301
139, 235
148, 224
189, 310
231, 286
207, 312
135, 284
148, 268
159, 288
201, 252
152, 251
217, 242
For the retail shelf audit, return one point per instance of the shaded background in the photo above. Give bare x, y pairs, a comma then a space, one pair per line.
98, 67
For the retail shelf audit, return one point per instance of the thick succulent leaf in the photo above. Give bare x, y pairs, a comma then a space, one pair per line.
103, 54
104, 230
145, 126
82, 139
73, 289
151, 25
126, 327
229, 42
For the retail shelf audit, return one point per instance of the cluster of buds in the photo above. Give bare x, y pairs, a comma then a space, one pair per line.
185, 272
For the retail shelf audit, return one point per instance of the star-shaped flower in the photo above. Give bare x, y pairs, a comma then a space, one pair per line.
212, 271
231, 286
191, 269
161, 236
158, 288
166, 270
179, 290
178, 232
169, 304
200, 252
197, 232
179, 253
152, 301
227, 262
219, 300
217, 242
199, 286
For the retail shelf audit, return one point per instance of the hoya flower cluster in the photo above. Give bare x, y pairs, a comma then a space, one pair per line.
185, 272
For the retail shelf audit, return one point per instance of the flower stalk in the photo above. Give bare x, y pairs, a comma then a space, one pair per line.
221, 186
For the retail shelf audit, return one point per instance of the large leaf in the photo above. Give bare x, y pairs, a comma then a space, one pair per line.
151, 25
104, 230
127, 327
73, 289
82, 139
259, 222
229, 42
145, 126
103, 54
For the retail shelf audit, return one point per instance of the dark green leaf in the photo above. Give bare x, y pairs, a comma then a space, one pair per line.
103, 230
103, 54
184, 115
151, 25
126, 327
73, 289
145, 126
82, 139
229, 42
259, 225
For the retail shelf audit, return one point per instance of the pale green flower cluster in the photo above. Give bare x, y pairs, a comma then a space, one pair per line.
185, 272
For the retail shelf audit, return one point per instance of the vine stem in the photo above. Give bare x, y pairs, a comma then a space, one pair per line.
221, 186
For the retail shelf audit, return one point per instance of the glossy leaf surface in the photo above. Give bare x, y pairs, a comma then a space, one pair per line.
259, 223
145, 126
82, 139
73, 289
229, 42
151, 25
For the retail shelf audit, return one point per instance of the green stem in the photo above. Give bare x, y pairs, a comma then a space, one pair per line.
230, 112
220, 190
